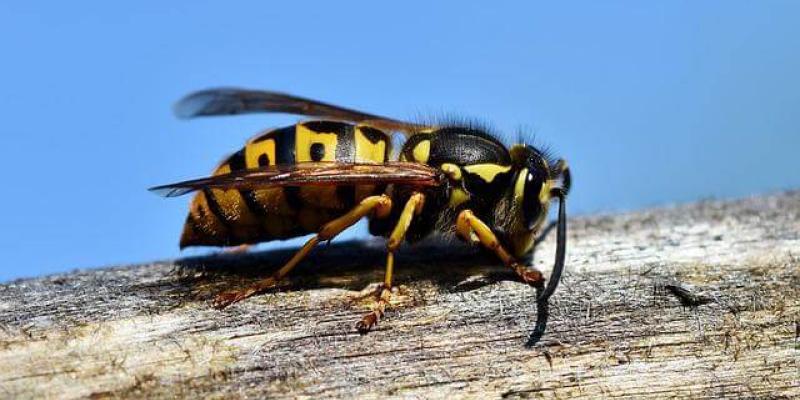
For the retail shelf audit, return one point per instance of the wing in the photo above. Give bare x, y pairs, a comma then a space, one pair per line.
310, 174
231, 101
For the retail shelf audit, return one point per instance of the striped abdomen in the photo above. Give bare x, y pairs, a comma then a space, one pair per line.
230, 217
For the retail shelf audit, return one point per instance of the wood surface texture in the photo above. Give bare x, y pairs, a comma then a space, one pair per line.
699, 301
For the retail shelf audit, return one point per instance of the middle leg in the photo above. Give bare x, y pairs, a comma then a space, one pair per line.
413, 207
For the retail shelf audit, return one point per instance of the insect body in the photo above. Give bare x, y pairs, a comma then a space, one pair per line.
220, 217
323, 176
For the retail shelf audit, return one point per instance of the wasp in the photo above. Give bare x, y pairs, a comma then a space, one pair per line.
323, 175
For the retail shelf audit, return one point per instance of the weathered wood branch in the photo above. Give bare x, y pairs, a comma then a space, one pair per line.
693, 301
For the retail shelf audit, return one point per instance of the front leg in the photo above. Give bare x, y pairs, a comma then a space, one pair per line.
470, 228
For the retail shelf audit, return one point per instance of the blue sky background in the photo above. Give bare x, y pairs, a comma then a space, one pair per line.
652, 102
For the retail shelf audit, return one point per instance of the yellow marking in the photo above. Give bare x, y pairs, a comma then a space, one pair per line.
253, 151
205, 219
452, 170
305, 137
204, 226
519, 185
322, 197
422, 151
230, 201
458, 196
487, 171
241, 219
522, 241
367, 151
273, 200
544, 193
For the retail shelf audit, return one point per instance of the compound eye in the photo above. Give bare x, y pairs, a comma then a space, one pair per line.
531, 204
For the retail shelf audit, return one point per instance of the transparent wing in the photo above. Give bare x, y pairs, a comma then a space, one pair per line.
232, 101
310, 174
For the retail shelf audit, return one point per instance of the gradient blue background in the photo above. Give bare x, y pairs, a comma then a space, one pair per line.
652, 103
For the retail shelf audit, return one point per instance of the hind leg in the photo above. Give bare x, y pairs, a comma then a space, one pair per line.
380, 205
240, 249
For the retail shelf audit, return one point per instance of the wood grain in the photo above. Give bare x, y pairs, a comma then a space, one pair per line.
699, 301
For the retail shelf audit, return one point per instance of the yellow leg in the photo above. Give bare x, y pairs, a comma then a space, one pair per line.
413, 207
381, 205
470, 227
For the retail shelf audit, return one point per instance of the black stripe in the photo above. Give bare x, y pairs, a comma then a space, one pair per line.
379, 189
284, 145
194, 226
326, 126
292, 194
372, 134
252, 203
347, 196
196, 232
387, 152
201, 213
237, 163
488, 193
285, 155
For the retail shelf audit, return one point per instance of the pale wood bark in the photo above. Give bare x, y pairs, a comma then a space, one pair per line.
698, 301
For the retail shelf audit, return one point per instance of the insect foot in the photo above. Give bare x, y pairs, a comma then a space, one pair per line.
225, 299
531, 276
367, 322
372, 319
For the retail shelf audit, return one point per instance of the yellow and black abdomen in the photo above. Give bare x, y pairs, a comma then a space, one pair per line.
220, 217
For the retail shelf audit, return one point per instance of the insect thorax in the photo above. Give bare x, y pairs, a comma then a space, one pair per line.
480, 174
